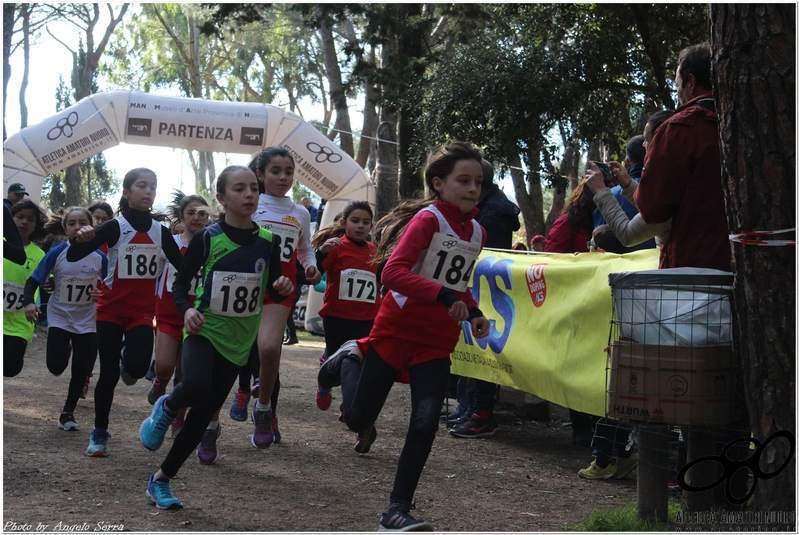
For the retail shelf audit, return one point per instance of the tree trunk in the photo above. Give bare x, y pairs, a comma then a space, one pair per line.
338, 97
529, 197
8, 32
411, 48
754, 74
386, 175
371, 95
26, 58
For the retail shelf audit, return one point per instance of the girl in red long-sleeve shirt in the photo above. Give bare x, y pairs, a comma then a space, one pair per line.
419, 321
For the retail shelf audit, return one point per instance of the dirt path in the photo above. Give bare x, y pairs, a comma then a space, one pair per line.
523, 480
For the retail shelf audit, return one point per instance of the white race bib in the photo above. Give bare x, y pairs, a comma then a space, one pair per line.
285, 238
449, 261
236, 295
12, 296
171, 275
77, 290
357, 285
139, 261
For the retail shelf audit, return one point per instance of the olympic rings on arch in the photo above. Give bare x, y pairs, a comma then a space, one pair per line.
63, 127
323, 154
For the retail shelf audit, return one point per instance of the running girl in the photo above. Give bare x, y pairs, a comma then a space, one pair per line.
17, 331
352, 297
238, 261
71, 310
127, 302
291, 227
193, 212
419, 321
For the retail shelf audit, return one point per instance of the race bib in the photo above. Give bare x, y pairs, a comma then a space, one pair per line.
449, 261
171, 275
77, 290
12, 296
285, 238
357, 285
139, 261
236, 295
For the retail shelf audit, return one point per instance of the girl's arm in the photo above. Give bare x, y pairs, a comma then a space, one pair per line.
12, 242
170, 248
275, 272
305, 252
41, 274
196, 255
109, 234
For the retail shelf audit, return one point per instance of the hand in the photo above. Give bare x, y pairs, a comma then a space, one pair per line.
330, 244
193, 320
480, 327
594, 179
620, 174
312, 275
283, 286
95, 295
85, 234
32, 312
458, 311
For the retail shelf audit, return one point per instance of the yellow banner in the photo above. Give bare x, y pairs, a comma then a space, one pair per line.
550, 319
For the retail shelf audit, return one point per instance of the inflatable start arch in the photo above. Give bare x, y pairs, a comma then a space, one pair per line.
104, 120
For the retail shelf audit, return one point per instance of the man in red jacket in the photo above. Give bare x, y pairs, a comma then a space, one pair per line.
681, 179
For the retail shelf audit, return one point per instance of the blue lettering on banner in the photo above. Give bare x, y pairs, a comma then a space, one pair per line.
490, 269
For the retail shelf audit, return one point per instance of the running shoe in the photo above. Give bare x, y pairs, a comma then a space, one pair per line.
241, 401
365, 439
625, 466
291, 341
67, 422
125, 376
256, 388
177, 426
159, 493
330, 372
595, 471
157, 390
323, 398
275, 430
150, 375
475, 427
98, 439
262, 436
153, 429
397, 518
207, 451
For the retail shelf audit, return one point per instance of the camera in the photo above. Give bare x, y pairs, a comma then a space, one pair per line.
607, 172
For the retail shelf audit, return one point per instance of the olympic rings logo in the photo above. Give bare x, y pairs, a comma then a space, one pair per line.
730, 466
229, 278
63, 127
130, 249
449, 244
323, 154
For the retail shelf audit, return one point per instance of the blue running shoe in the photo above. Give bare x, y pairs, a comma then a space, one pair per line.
241, 402
160, 494
153, 429
97, 442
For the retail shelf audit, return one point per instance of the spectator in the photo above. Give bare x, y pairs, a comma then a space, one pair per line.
634, 153
519, 246
538, 243
604, 241
629, 231
320, 212
476, 398
681, 180
16, 192
306, 202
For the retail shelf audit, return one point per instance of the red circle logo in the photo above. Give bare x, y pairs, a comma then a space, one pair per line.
537, 284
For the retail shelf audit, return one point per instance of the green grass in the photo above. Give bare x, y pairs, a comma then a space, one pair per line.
624, 520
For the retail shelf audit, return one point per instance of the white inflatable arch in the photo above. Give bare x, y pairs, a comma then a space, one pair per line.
104, 120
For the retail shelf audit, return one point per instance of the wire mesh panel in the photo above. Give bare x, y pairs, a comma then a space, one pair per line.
671, 360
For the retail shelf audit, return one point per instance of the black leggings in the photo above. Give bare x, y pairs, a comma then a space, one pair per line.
364, 389
13, 355
339, 331
253, 369
207, 379
84, 348
138, 353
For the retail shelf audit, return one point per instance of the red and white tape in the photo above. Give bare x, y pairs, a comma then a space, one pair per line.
750, 238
